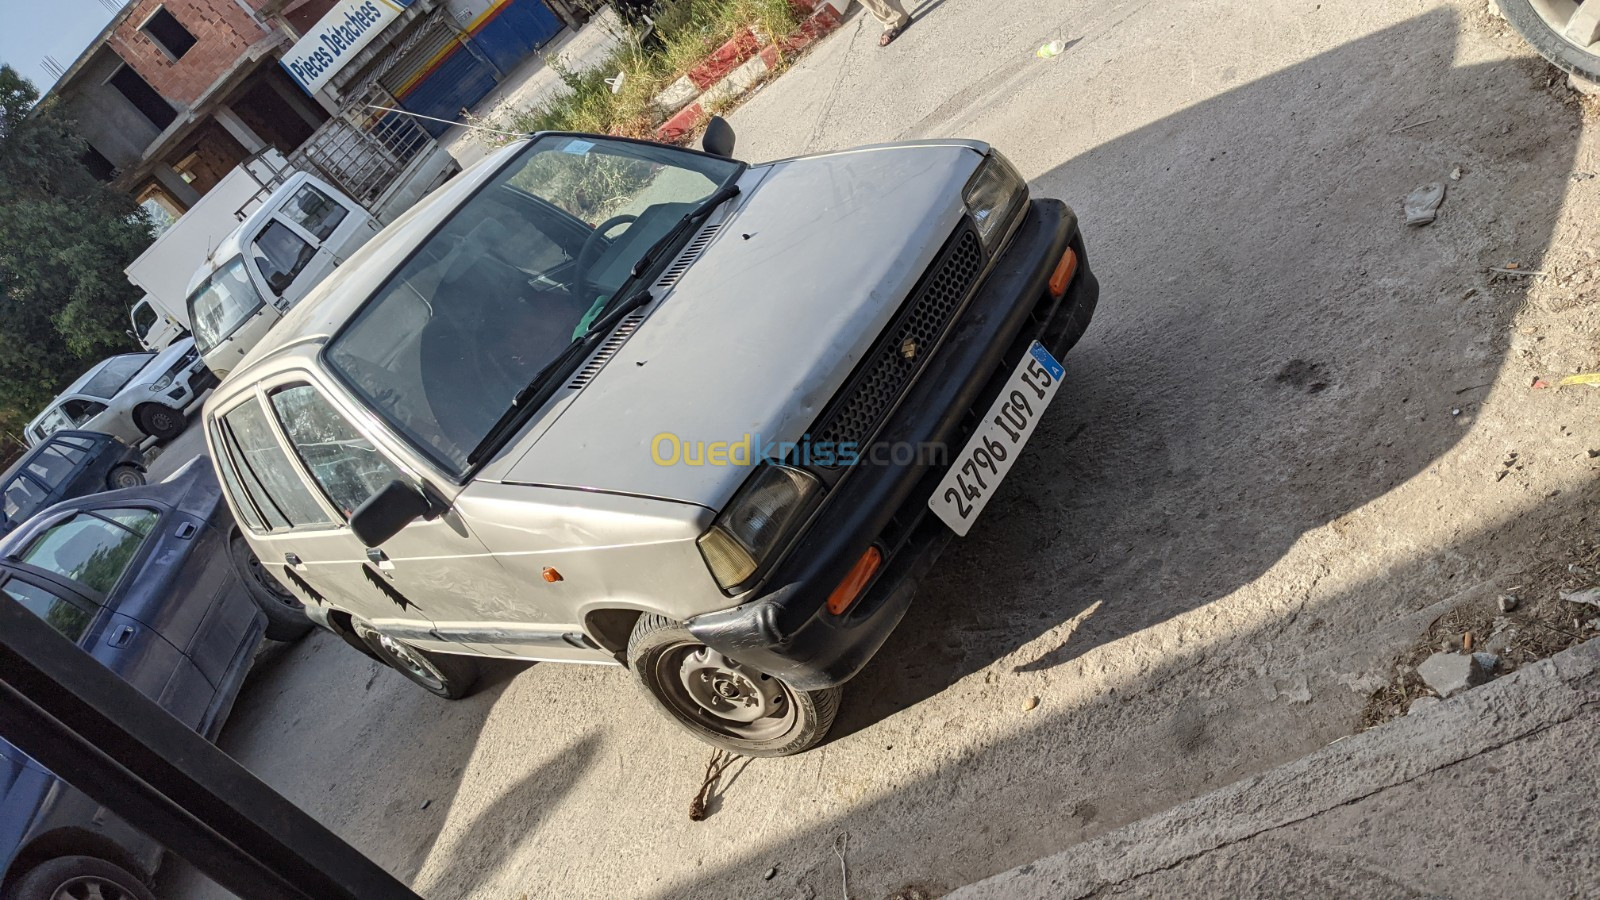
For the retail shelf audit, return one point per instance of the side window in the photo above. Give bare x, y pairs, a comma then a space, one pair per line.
91, 548
342, 462
62, 614
265, 477
281, 254
51, 464
51, 422
80, 411
144, 319
314, 211
23, 497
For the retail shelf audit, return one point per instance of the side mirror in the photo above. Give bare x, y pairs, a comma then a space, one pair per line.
386, 513
279, 282
718, 139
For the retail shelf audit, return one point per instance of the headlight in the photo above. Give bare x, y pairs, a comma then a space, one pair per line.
995, 196
759, 520
162, 383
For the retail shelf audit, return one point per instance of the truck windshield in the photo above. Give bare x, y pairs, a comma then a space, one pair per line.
222, 303
114, 375
509, 279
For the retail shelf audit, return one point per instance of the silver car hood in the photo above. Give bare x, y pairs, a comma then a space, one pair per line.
809, 265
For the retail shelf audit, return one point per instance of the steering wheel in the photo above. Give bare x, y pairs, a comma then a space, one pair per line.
591, 249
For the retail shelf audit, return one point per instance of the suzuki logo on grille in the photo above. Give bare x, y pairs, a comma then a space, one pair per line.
908, 348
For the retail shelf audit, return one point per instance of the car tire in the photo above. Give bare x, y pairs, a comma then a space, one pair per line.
76, 877
286, 615
1546, 37
446, 675
160, 422
126, 475
722, 702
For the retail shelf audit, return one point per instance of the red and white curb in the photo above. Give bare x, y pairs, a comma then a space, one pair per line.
736, 67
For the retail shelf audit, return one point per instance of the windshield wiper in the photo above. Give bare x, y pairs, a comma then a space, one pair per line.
543, 384
690, 219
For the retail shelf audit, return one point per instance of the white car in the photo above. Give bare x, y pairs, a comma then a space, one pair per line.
132, 396
605, 401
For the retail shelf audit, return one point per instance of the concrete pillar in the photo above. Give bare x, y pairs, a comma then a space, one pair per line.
180, 190
231, 123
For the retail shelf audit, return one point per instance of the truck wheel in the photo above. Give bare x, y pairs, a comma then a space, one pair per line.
160, 422
79, 878
441, 674
126, 475
721, 701
286, 615
1566, 33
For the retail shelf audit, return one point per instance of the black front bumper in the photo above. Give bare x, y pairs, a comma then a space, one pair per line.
786, 629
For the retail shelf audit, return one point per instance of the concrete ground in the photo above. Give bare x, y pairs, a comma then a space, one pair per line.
1278, 453
1489, 794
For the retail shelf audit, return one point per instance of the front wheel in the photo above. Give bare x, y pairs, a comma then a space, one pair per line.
1563, 31
441, 674
286, 615
160, 422
126, 475
79, 878
722, 701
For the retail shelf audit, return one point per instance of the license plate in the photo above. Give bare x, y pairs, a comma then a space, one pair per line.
982, 464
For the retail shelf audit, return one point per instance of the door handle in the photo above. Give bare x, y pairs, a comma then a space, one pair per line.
293, 560
186, 530
380, 558
122, 636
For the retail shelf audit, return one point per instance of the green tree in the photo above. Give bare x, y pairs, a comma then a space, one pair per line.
64, 240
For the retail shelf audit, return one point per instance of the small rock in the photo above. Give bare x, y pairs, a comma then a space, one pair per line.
1030, 704
1507, 602
1451, 673
1455, 174
1455, 411
1422, 703
1594, 454
1487, 661
771, 874
426, 804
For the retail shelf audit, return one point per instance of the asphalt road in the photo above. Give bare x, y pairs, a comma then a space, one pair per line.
1278, 442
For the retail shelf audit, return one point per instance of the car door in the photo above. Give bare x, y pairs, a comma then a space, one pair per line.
70, 573
299, 535
332, 221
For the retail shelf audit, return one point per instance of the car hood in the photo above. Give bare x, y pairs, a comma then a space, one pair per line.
805, 270
161, 362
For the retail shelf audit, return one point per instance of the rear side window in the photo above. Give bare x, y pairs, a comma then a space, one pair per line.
60, 613
92, 548
344, 464
52, 465
281, 254
262, 476
81, 411
23, 497
314, 211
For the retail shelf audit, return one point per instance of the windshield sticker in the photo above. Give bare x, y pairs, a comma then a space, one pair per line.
579, 148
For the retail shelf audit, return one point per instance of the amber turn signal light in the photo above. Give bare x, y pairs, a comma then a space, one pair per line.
1062, 276
551, 575
850, 588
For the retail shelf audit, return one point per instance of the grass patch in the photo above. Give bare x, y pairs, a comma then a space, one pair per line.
686, 32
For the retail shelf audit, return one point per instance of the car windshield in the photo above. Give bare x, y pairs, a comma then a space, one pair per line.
115, 374
221, 304
510, 279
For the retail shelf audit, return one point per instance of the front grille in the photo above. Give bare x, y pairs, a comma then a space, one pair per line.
886, 372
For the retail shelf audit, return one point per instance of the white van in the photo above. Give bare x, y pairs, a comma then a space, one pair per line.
275, 257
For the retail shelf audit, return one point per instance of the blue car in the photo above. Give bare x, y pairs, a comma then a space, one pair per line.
65, 465
155, 583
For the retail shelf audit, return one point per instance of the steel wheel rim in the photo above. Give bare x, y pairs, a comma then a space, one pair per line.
90, 887
258, 574
1573, 21
127, 479
754, 707
412, 662
161, 419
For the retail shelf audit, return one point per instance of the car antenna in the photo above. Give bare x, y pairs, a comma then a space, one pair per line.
407, 112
